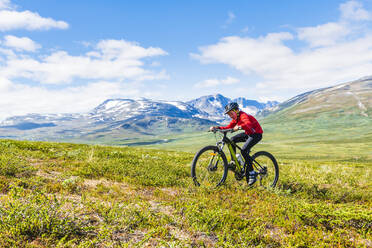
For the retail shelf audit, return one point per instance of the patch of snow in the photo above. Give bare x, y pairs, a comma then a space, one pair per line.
110, 111
199, 116
361, 106
309, 109
216, 103
294, 99
178, 105
338, 87
274, 108
142, 104
331, 88
250, 110
111, 104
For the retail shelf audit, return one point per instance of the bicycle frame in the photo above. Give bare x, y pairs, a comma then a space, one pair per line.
230, 144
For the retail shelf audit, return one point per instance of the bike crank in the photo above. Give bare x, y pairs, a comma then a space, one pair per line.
239, 175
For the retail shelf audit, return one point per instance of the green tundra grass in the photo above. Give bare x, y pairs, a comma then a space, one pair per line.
74, 195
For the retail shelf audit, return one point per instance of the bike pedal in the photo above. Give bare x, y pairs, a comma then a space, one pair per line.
239, 175
231, 166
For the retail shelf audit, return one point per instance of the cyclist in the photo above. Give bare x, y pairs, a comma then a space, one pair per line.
251, 136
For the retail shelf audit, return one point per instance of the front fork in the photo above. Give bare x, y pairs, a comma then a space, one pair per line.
212, 166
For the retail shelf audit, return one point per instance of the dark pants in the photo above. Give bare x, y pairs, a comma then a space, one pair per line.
250, 141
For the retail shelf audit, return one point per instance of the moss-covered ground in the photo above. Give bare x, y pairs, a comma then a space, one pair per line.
73, 195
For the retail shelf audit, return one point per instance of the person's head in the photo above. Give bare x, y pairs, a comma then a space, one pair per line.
232, 109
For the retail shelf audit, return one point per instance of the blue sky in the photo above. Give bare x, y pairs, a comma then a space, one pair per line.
69, 56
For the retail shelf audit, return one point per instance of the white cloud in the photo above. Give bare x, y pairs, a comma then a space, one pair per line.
245, 30
155, 64
5, 84
323, 35
230, 80
112, 49
230, 18
207, 83
216, 82
11, 19
113, 68
336, 52
334, 32
20, 99
268, 99
248, 54
7, 52
110, 60
20, 44
353, 10
5, 4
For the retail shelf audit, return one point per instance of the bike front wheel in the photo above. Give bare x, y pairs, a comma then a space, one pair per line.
267, 168
209, 167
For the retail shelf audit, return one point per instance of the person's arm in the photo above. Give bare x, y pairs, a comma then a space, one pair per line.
231, 125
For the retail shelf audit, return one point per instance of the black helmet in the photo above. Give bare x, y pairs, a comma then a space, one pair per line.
231, 106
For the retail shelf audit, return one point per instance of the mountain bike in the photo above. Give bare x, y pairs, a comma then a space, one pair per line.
210, 165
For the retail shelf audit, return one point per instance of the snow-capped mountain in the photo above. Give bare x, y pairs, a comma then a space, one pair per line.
124, 118
253, 106
214, 106
122, 109
118, 110
43, 118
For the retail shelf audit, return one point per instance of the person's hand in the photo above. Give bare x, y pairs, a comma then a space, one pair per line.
236, 128
211, 129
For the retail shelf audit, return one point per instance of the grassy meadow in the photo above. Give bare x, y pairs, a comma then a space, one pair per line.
75, 195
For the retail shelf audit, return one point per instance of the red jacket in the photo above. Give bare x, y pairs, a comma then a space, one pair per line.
249, 124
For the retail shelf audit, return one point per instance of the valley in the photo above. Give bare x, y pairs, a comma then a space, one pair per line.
116, 189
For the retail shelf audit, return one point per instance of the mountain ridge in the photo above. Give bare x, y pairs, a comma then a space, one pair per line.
121, 117
124, 108
350, 98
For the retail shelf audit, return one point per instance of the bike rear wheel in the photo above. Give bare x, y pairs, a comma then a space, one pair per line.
267, 168
209, 167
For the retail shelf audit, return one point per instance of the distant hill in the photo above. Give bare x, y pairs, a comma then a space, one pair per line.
124, 119
352, 98
324, 119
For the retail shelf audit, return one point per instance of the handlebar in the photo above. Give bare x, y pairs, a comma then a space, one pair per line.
224, 130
